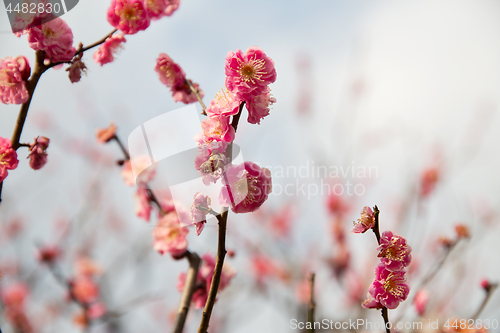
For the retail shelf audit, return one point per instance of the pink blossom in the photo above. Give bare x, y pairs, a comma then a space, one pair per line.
204, 280
394, 253
211, 161
388, 289
169, 72
85, 266
106, 134
224, 103
84, 289
143, 204
336, 205
264, 268
184, 94
420, 301
75, 71
485, 284
172, 6
14, 295
107, 51
140, 166
258, 106
303, 291
365, 222
199, 210
169, 236
55, 38
48, 254
96, 310
428, 181
129, 16
246, 188
462, 231
38, 152
158, 8
216, 128
8, 158
13, 75
248, 74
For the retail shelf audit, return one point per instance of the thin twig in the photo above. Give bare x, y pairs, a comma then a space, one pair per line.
187, 293
385, 315
312, 305
489, 291
214, 286
122, 147
196, 92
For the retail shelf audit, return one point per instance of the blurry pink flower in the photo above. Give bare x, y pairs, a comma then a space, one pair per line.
184, 94
258, 106
38, 152
143, 205
485, 284
215, 129
96, 310
107, 51
249, 73
340, 261
462, 231
303, 291
428, 181
265, 267
84, 289
199, 210
169, 236
48, 253
224, 103
336, 205
388, 289
172, 6
247, 187
13, 75
394, 253
211, 161
53, 37
14, 295
129, 16
87, 267
141, 166
365, 222
281, 222
75, 71
158, 8
8, 158
420, 301
105, 134
169, 72
445, 241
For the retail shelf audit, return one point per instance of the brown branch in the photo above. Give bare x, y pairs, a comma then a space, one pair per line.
122, 147
489, 291
312, 305
436, 269
99, 42
187, 293
385, 315
214, 286
196, 92
236, 117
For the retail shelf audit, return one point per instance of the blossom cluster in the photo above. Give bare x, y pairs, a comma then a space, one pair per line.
389, 287
14, 72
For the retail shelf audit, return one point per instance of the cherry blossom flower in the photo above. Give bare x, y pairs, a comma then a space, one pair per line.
303, 291
129, 16
75, 71
169, 72
184, 94
158, 8
264, 267
14, 295
108, 50
172, 6
143, 205
96, 310
388, 289
84, 289
420, 301
38, 152
365, 222
55, 38
8, 158
249, 73
216, 128
394, 253
211, 161
462, 231
247, 187
199, 210
13, 75
225, 103
169, 236
85, 266
106, 134
336, 205
428, 181
204, 280
48, 254
258, 106
140, 166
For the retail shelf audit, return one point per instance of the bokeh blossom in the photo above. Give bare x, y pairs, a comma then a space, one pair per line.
140, 167
143, 204
13, 75
365, 222
129, 16
247, 187
108, 50
104, 135
169, 236
8, 158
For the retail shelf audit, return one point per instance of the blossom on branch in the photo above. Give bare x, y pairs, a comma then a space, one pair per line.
108, 50
105, 134
211, 161
75, 71
365, 222
198, 212
387, 290
13, 75
38, 152
8, 158
143, 205
394, 253
55, 38
129, 16
169, 236
157, 9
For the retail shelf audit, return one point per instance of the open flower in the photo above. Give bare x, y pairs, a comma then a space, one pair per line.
258, 106
143, 204
224, 103
394, 253
199, 210
249, 73
55, 38
388, 289
169, 72
107, 51
8, 158
13, 75
247, 187
211, 161
129, 16
365, 222
38, 152
169, 236
216, 128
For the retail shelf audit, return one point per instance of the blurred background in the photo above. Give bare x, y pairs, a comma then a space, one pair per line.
398, 101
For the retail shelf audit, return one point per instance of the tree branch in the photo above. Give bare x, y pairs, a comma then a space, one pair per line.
312, 305
489, 291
